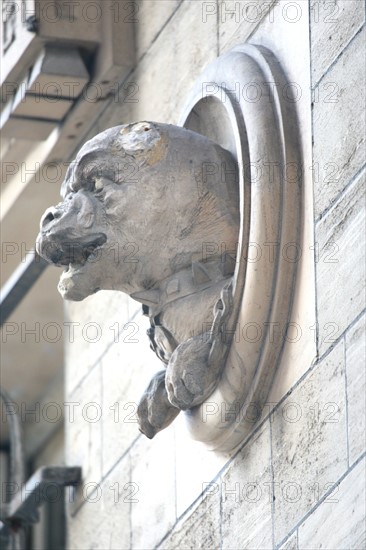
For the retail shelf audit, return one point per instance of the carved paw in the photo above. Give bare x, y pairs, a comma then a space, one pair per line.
189, 380
155, 412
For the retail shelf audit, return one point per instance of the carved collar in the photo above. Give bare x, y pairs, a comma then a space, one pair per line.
191, 280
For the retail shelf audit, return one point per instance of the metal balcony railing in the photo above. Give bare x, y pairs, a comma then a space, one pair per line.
20, 501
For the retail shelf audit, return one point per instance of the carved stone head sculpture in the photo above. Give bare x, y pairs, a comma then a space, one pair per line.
171, 217
142, 206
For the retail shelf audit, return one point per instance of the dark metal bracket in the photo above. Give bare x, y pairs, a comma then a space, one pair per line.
22, 510
20, 501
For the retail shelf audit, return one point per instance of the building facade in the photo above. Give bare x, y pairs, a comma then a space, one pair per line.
298, 481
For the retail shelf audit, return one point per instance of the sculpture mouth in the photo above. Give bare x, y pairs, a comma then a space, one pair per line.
74, 255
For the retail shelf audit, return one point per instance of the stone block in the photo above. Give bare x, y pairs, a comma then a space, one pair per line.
339, 521
83, 530
153, 475
167, 72
356, 389
150, 18
103, 519
199, 529
127, 368
236, 19
83, 425
194, 462
306, 427
93, 325
291, 543
340, 272
339, 125
247, 496
333, 24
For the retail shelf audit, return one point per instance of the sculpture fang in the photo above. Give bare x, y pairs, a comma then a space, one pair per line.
184, 201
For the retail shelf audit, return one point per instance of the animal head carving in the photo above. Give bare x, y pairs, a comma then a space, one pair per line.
139, 201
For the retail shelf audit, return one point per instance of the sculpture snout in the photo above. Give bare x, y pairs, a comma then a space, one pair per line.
49, 250
63, 238
51, 214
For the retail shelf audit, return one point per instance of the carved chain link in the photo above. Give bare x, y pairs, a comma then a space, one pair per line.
218, 336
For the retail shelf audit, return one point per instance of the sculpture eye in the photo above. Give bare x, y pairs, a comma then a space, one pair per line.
98, 184
91, 185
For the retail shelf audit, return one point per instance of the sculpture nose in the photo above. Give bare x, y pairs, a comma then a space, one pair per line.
51, 214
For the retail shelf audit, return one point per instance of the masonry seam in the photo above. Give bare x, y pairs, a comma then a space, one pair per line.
345, 48
337, 199
321, 500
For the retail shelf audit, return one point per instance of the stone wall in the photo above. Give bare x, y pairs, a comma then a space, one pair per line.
298, 482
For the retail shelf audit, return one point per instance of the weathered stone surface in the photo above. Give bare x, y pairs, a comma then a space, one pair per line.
92, 325
154, 513
356, 389
333, 24
198, 529
167, 72
193, 462
340, 271
119, 494
149, 96
84, 431
236, 19
339, 125
103, 519
84, 531
304, 431
339, 521
125, 374
247, 496
150, 18
291, 543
